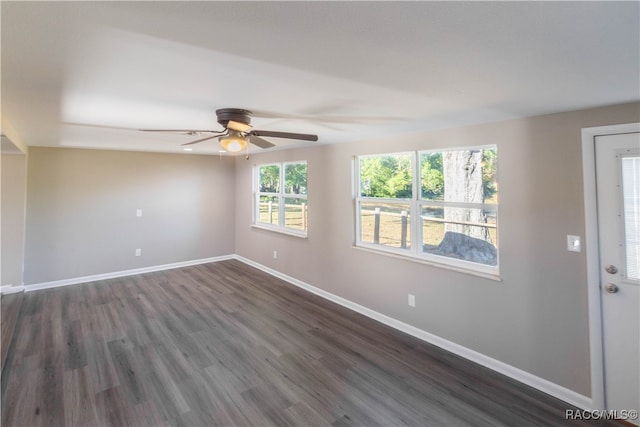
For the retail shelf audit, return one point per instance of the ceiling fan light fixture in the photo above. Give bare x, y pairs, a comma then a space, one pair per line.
233, 142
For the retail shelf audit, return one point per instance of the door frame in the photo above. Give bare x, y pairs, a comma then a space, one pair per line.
592, 251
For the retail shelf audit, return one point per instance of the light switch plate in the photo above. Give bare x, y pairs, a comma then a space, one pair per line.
412, 300
573, 243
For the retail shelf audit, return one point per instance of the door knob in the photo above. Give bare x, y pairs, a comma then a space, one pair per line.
611, 288
611, 269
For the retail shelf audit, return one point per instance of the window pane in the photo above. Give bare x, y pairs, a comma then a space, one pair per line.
631, 201
459, 176
268, 210
388, 176
490, 175
295, 178
385, 224
295, 213
467, 234
431, 176
269, 179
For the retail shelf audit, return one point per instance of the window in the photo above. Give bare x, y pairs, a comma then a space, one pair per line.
439, 206
281, 197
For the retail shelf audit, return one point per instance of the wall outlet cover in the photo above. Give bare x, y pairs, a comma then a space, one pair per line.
573, 243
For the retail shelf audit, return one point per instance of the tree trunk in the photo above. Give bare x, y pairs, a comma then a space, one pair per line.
463, 183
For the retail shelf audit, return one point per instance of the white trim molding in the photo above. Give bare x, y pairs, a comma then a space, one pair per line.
517, 374
593, 253
10, 289
93, 278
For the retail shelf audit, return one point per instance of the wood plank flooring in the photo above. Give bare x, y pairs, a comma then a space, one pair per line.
226, 344
9, 308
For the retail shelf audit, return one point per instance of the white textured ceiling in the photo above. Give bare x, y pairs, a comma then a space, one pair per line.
344, 70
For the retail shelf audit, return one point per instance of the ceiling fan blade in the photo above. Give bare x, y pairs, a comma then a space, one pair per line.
262, 143
240, 127
185, 131
289, 135
203, 139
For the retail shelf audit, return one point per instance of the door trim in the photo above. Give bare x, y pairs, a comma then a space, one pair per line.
593, 254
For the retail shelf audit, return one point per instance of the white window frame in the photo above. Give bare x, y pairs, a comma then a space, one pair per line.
281, 197
415, 204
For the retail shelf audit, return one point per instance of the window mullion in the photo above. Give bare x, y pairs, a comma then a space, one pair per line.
281, 198
355, 182
256, 193
358, 227
414, 231
384, 200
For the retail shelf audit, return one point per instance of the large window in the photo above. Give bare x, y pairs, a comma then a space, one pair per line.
281, 197
440, 206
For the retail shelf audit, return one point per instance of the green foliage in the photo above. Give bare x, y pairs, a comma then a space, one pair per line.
391, 176
295, 177
432, 178
386, 176
489, 172
269, 178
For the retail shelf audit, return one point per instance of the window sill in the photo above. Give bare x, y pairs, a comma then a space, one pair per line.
287, 231
485, 275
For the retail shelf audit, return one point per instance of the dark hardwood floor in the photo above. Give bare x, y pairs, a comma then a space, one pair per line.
226, 344
9, 308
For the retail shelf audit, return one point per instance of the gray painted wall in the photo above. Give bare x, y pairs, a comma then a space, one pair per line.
535, 318
14, 185
81, 211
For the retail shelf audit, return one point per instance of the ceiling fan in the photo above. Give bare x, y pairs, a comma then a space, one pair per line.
237, 132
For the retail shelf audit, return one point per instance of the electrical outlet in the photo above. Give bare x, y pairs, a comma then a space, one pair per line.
573, 243
275, 254
412, 300
138, 252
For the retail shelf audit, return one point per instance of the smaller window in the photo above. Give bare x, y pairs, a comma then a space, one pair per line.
281, 197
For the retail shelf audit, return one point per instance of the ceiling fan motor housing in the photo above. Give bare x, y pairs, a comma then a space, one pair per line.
233, 114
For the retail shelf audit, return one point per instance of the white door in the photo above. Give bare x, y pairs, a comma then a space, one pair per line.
618, 199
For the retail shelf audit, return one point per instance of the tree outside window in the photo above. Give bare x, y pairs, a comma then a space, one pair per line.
446, 200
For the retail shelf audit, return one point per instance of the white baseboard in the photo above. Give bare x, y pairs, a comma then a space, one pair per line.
10, 289
93, 278
517, 374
